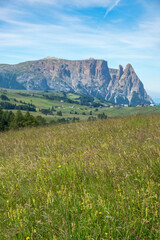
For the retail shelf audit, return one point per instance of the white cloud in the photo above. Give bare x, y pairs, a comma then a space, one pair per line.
14, 40
112, 5
76, 3
29, 32
73, 32
8, 14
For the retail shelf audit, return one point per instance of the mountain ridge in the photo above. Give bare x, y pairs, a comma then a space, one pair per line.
91, 76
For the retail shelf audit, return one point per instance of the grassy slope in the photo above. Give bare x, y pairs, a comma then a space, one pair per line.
92, 180
41, 102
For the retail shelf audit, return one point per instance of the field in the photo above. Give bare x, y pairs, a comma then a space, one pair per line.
87, 180
43, 100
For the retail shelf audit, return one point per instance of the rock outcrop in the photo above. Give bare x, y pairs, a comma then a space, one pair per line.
91, 77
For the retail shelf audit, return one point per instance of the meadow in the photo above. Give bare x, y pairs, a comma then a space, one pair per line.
88, 180
43, 100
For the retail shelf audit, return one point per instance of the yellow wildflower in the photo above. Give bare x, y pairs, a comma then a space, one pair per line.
27, 238
59, 166
100, 213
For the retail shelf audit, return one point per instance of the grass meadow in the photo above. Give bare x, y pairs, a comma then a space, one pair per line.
41, 102
87, 180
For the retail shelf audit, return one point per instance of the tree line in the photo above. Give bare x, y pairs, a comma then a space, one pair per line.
8, 105
10, 120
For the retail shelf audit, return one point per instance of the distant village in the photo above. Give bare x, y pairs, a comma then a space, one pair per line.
112, 106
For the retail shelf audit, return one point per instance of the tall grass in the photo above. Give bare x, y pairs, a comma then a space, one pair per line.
92, 180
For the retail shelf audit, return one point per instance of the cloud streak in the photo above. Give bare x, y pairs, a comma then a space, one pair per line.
111, 7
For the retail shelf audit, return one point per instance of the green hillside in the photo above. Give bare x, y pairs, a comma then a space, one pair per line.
72, 105
87, 180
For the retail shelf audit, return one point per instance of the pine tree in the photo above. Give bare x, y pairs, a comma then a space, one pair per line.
29, 120
18, 121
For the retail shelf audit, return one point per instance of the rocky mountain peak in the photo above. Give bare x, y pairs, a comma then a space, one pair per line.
129, 67
91, 58
129, 70
91, 76
120, 71
49, 58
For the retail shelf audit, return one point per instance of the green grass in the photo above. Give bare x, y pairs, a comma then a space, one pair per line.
37, 98
130, 111
88, 180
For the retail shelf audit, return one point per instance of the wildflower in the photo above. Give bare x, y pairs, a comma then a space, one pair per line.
59, 166
82, 203
106, 234
100, 213
92, 163
152, 229
27, 238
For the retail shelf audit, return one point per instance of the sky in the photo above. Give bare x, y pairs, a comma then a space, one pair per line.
118, 31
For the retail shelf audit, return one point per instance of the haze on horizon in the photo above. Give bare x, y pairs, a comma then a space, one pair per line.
119, 31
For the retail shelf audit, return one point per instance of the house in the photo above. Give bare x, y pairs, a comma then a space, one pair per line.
60, 106
74, 107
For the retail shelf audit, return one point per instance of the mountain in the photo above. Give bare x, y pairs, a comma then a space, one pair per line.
92, 77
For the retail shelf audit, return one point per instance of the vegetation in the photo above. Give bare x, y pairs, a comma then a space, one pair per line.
88, 180
102, 116
26, 107
46, 111
9, 120
59, 113
4, 97
48, 103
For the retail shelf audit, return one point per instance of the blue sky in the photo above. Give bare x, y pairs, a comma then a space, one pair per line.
119, 31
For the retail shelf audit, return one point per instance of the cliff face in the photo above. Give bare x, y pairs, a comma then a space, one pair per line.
92, 77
